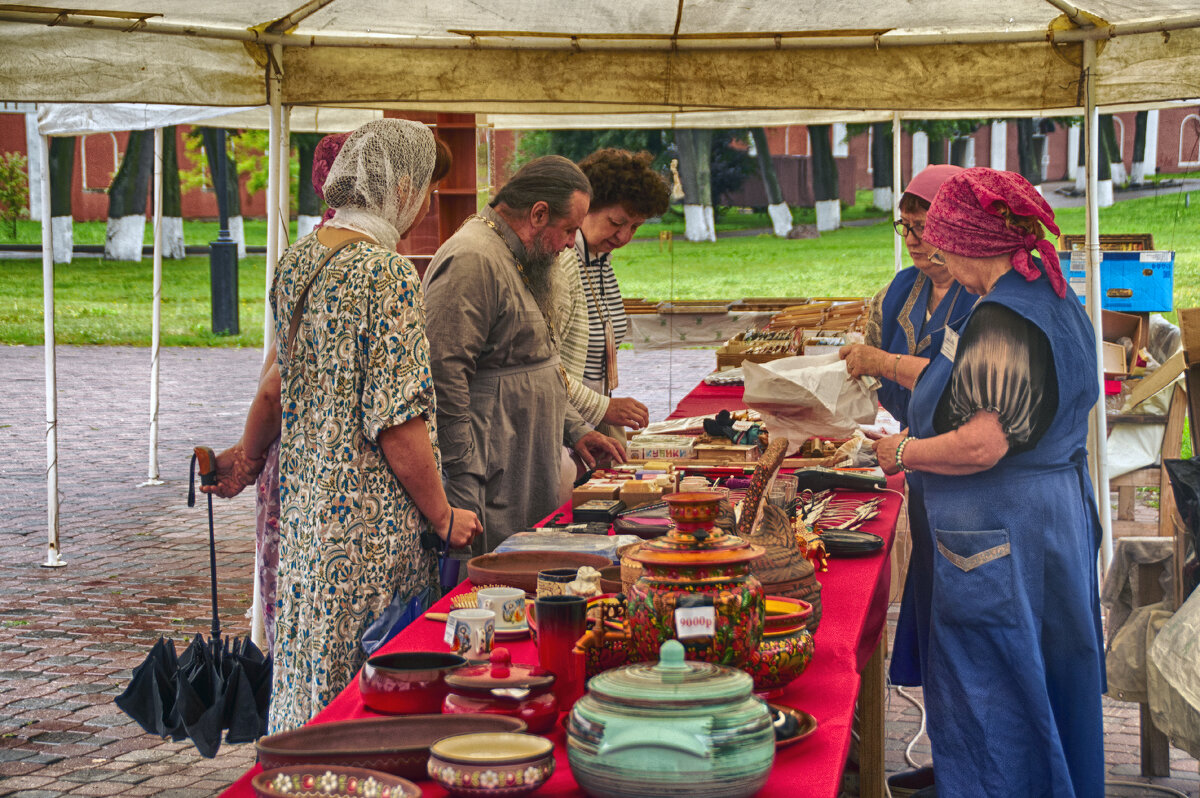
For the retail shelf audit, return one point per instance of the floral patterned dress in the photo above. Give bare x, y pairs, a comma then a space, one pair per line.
349, 534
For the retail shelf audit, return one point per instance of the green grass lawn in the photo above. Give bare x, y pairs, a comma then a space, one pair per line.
99, 302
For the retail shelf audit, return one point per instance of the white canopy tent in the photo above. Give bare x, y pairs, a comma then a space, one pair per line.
924, 57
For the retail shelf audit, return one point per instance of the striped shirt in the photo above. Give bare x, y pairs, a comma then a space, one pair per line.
571, 320
603, 302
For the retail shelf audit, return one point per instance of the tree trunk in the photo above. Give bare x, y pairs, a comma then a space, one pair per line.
777, 209
1108, 132
62, 174
695, 176
825, 178
127, 199
308, 204
233, 197
172, 213
1029, 164
881, 166
1138, 173
959, 150
937, 150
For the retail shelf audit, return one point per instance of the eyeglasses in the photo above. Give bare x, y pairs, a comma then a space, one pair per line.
903, 228
937, 259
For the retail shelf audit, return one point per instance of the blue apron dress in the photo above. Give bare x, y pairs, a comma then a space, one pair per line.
905, 331
1010, 616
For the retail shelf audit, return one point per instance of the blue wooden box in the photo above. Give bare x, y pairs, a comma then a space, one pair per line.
1131, 282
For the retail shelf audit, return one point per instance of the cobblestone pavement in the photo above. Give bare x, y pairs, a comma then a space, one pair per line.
137, 564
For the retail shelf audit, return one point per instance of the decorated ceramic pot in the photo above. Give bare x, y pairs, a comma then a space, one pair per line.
670, 728
779, 660
491, 765
696, 587
502, 688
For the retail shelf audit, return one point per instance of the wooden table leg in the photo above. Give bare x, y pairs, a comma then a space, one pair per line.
871, 700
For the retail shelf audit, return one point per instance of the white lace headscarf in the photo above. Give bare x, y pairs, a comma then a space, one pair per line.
378, 181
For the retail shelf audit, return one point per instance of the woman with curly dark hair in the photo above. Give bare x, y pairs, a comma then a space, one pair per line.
626, 192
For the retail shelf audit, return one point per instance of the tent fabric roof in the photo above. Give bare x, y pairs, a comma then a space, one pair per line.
75, 119
604, 57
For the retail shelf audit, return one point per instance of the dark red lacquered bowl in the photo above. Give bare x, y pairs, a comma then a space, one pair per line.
407, 682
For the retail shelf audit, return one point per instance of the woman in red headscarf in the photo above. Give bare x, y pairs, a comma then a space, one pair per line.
1012, 659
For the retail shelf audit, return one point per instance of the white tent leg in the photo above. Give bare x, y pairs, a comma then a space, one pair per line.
53, 551
156, 324
897, 177
1097, 427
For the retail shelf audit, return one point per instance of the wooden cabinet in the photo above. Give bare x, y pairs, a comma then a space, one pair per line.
455, 198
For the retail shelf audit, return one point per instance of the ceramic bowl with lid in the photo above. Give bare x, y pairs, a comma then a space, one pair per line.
502, 687
671, 727
501, 765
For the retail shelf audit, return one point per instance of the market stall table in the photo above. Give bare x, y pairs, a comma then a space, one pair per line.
848, 643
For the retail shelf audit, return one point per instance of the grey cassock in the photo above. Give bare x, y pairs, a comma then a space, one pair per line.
502, 410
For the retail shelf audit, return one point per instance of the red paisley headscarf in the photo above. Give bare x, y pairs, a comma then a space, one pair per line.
324, 155
966, 218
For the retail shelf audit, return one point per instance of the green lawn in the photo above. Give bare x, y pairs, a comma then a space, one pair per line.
98, 302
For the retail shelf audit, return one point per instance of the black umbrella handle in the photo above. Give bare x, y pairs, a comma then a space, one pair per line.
208, 476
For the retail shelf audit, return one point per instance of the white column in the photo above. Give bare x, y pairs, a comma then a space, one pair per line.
999, 154
53, 551
1097, 425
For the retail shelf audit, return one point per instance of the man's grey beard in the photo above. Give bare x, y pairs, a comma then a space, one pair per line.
539, 268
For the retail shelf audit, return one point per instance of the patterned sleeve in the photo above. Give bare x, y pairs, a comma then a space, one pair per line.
397, 383
1004, 365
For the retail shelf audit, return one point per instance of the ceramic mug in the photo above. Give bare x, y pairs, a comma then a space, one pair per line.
507, 602
561, 621
469, 633
554, 581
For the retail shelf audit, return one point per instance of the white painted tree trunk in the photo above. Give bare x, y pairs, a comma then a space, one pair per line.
1118, 173
305, 225
1150, 165
1081, 180
1073, 154
970, 153
711, 221
829, 215
237, 231
781, 219
1104, 193
62, 234
999, 154
697, 224
173, 247
1137, 174
123, 238
881, 198
920, 151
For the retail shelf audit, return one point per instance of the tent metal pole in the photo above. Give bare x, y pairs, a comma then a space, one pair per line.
285, 179
897, 177
1097, 428
53, 550
274, 130
156, 317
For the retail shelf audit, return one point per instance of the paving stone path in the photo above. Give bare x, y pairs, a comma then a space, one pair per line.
137, 566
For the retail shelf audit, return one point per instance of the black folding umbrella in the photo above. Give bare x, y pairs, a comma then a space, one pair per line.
213, 685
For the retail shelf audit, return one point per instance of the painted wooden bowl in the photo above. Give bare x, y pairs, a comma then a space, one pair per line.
491, 765
520, 568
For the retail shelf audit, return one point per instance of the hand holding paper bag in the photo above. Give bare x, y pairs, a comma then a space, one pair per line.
802, 397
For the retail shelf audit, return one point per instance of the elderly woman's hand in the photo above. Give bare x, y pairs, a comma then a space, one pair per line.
885, 452
865, 360
235, 470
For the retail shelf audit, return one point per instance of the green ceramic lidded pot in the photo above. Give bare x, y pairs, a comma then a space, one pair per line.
671, 728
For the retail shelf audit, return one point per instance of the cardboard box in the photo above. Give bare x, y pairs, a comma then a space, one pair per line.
1114, 326
743, 453
1141, 282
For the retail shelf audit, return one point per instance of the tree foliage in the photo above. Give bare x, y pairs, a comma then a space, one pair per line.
247, 150
576, 144
14, 189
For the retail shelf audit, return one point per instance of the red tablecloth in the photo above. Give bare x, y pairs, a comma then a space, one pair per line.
854, 598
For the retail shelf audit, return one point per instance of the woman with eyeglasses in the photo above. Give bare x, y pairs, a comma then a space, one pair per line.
1007, 596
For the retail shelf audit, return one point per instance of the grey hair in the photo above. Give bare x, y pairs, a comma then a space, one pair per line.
552, 179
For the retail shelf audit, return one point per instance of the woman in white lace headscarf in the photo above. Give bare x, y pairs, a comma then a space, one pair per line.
359, 469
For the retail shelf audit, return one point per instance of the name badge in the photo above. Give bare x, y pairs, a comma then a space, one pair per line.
695, 622
950, 344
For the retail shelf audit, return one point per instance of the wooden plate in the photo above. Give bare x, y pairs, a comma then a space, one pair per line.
806, 724
520, 568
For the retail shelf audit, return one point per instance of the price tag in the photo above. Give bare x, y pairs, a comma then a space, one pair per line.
449, 636
695, 622
950, 344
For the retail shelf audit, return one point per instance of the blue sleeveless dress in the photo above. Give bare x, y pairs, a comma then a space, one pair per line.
905, 331
1010, 617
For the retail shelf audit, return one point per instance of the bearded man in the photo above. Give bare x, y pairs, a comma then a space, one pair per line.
502, 407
